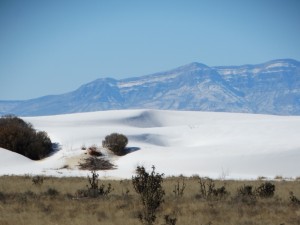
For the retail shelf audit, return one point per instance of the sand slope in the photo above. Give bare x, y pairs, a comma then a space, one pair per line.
176, 142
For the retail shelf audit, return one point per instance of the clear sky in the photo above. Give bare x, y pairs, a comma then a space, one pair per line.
54, 46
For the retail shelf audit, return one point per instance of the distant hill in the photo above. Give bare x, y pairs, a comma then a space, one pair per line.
269, 88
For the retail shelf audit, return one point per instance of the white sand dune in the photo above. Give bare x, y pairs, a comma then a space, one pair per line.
176, 142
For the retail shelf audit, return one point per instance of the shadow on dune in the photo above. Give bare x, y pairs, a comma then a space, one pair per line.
131, 149
146, 119
56, 147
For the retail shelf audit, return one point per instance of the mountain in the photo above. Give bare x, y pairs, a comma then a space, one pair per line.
268, 88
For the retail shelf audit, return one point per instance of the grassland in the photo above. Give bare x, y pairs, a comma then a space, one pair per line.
55, 202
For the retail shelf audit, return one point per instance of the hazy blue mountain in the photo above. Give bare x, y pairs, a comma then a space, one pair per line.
272, 88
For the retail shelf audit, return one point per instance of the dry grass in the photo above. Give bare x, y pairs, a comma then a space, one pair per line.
22, 202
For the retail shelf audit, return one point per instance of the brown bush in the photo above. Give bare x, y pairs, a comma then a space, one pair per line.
94, 163
94, 190
20, 137
94, 151
116, 143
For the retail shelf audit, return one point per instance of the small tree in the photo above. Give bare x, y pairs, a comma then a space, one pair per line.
149, 187
116, 143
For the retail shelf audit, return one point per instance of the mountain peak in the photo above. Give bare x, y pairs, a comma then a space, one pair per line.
270, 88
283, 63
194, 66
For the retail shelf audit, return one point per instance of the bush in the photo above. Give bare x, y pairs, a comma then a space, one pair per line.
246, 191
93, 189
38, 180
20, 137
266, 190
169, 220
94, 163
116, 143
246, 195
51, 192
208, 190
294, 199
179, 189
149, 187
2, 197
94, 151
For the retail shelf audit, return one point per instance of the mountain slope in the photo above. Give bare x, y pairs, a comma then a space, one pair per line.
191, 87
271, 88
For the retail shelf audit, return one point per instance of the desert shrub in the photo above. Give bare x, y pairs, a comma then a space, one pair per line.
23, 197
246, 194
2, 197
94, 163
246, 190
294, 200
169, 220
94, 151
37, 180
208, 190
20, 137
149, 187
179, 189
116, 143
266, 190
94, 190
125, 192
51, 192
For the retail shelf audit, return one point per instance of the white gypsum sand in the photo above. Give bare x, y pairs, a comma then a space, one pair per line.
176, 142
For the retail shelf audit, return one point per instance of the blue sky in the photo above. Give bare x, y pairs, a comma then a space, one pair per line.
53, 47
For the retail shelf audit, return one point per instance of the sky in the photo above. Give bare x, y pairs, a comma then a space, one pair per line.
53, 47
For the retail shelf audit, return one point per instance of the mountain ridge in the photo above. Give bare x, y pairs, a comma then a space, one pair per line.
272, 87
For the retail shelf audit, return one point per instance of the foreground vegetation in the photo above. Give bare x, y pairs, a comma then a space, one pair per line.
193, 200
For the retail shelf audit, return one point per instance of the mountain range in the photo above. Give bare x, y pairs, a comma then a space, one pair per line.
268, 88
